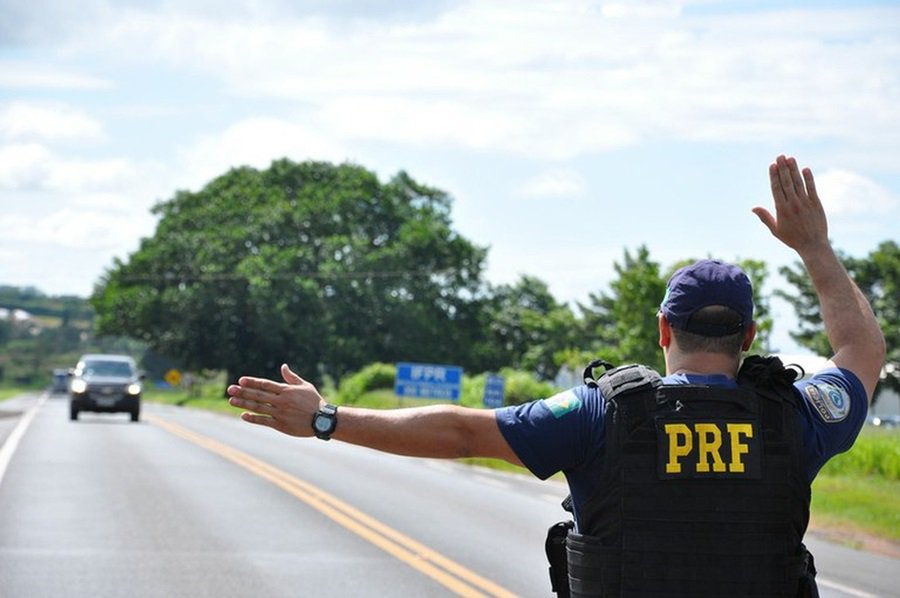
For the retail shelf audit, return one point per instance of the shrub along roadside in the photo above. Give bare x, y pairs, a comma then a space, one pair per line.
875, 453
519, 387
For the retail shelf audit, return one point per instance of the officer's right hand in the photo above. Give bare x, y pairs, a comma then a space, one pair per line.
287, 407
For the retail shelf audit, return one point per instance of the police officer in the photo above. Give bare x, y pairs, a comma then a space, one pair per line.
696, 483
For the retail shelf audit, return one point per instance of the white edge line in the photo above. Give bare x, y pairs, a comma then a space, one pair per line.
12, 441
845, 589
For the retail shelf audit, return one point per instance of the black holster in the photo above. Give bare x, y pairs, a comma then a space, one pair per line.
808, 587
555, 547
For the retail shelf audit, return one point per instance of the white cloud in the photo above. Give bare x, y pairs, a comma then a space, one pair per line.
641, 9
23, 165
556, 183
255, 142
501, 76
847, 193
32, 166
77, 227
420, 122
27, 75
23, 121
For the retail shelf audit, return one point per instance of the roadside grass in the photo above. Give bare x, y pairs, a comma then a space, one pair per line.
8, 392
209, 396
850, 502
860, 489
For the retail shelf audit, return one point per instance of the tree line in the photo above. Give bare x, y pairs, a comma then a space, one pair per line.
328, 268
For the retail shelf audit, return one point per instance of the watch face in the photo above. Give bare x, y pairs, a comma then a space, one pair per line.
325, 421
322, 423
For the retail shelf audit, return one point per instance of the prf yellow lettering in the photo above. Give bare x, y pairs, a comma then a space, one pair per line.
710, 441
676, 449
738, 448
709, 445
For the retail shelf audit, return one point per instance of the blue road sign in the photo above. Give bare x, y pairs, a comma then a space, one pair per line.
493, 391
428, 381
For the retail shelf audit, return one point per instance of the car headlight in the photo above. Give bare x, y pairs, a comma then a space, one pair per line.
134, 389
79, 386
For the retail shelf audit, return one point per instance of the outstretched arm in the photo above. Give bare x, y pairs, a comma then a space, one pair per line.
443, 431
800, 223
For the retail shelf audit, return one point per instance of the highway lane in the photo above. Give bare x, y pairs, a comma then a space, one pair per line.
104, 507
188, 503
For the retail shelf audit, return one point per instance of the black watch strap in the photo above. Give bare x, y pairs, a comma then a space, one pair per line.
325, 421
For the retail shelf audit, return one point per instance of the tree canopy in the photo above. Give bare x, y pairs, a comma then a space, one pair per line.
319, 265
623, 322
878, 277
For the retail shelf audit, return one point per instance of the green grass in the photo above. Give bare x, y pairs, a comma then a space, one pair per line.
867, 503
8, 392
876, 452
860, 489
208, 395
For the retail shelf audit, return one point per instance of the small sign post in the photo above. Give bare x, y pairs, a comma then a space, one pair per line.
493, 391
428, 381
173, 378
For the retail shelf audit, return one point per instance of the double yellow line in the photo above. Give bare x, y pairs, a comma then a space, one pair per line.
441, 569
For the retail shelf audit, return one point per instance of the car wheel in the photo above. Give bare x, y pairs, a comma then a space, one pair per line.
73, 414
135, 416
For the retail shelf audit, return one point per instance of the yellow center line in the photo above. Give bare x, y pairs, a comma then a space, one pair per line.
445, 571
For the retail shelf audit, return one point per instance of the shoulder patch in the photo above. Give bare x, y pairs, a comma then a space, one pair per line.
831, 402
562, 403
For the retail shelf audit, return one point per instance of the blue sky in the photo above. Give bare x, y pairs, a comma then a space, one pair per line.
566, 132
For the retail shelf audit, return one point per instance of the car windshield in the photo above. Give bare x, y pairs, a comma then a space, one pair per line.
119, 369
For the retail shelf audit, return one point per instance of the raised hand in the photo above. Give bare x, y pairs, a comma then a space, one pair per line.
799, 221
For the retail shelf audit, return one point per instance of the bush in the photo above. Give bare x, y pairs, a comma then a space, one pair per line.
519, 387
372, 377
876, 452
522, 387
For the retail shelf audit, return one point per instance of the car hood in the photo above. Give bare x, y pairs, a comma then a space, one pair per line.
108, 380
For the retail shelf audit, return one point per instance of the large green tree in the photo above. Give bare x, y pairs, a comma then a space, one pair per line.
319, 265
623, 322
524, 326
878, 277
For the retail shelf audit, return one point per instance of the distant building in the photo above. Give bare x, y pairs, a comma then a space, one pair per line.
16, 315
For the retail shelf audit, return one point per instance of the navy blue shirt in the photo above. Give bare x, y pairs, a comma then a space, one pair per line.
565, 433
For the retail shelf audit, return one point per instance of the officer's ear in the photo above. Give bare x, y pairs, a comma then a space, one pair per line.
749, 337
665, 331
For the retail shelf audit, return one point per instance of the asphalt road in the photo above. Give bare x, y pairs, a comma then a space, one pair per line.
187, 503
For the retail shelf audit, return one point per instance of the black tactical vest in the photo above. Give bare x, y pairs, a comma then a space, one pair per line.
702, 492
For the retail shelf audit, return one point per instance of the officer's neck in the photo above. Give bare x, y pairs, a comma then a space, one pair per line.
701, 363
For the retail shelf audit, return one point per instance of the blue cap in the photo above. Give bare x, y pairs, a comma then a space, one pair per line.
705, 283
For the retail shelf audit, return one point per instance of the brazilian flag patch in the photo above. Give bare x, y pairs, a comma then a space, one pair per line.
562, 403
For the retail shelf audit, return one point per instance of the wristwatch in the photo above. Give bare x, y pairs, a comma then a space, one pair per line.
325, 421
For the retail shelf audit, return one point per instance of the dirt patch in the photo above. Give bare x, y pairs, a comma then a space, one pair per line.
857, 539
